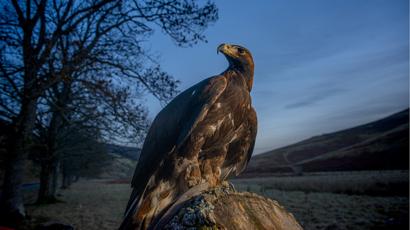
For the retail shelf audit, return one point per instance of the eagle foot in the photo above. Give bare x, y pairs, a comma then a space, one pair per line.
232, 186
229, 185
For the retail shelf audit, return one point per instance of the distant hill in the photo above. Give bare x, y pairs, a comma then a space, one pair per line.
120, 167
379, 145
122, 163
132, 153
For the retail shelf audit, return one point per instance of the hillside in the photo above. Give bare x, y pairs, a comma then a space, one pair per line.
123, 160
119, 168
132, 153
379, 145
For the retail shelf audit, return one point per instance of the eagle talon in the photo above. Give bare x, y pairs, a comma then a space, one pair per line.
231, 186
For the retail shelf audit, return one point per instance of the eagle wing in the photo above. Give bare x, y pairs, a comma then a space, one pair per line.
171, 128
250, 138
241, 149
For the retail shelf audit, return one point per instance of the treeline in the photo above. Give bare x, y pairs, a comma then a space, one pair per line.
78, 153
72, 74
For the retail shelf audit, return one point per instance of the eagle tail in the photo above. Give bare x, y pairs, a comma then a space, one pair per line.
132, 206
147, 206
240, 167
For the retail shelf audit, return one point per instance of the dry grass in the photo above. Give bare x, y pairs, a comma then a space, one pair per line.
377, 183
96, 204
339, 211
88, 204
315, 209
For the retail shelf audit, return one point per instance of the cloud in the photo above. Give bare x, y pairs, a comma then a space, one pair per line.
314, 97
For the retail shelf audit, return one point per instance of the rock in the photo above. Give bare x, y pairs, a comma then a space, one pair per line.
224, 208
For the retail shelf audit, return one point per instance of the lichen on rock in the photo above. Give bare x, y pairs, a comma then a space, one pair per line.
224, 208
198, 214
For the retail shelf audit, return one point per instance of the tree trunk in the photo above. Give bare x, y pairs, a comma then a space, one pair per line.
66, 181
11, 203
48, 181
44, 193
70, 180
54, 181
50, 164
12, 207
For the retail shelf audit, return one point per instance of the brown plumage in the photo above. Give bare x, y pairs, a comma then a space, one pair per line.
201, 137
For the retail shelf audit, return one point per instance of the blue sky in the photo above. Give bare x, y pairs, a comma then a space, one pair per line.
320, 65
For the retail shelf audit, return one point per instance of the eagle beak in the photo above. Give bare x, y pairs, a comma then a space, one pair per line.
227, 49
221, 48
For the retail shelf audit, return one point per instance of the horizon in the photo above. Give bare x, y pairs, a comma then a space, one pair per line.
318, 67
336, 131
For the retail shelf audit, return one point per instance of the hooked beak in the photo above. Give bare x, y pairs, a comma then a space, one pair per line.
226, 49
221, 48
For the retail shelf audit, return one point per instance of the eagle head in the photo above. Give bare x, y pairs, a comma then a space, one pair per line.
240, 59
238, 56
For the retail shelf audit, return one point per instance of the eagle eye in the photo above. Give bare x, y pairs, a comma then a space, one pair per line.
241, 51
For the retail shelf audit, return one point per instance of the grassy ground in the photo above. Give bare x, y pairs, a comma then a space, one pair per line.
88, 204
338, 211
334, 209
97, 204
377, 183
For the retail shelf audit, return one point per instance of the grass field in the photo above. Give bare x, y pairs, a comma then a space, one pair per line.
88, 204
98, 204
377, 183
339, 211
319, 200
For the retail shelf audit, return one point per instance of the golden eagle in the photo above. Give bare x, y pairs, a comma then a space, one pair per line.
201, 137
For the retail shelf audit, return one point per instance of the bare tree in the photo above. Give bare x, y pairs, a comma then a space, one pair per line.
82, 155
102, 35
108, 108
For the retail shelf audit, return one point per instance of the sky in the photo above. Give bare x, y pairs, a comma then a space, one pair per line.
320, 65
